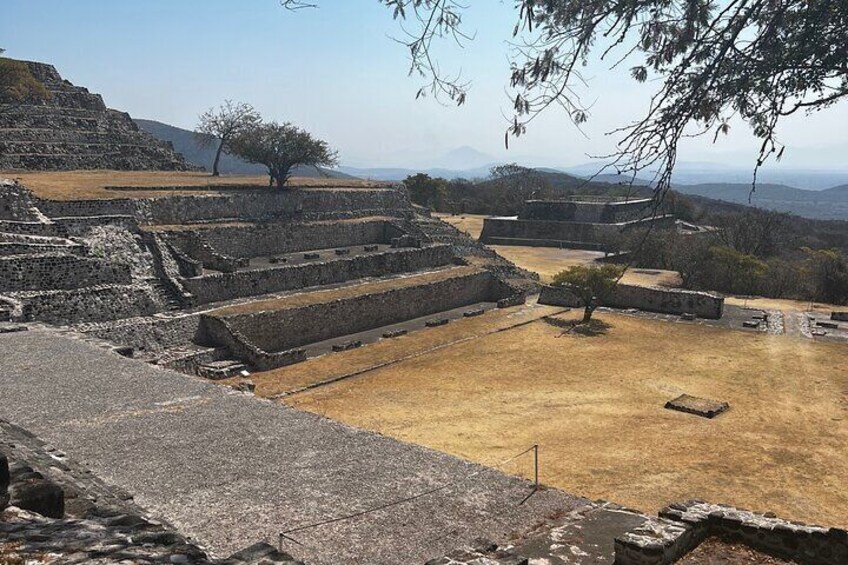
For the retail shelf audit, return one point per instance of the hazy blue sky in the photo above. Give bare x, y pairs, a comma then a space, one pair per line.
337, 72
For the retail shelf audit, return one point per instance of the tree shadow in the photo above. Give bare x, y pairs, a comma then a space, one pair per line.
593, 328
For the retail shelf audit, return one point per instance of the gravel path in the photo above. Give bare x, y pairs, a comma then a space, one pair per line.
229, 470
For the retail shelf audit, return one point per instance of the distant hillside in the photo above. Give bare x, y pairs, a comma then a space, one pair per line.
830, 204
185, 142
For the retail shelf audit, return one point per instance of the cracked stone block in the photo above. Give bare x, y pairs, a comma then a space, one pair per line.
342, 251
703, 407
394, 333
472, 313
688, 316
347, 346
751, 324
436, 323
311, 255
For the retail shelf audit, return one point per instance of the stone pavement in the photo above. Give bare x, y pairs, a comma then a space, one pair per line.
229, 470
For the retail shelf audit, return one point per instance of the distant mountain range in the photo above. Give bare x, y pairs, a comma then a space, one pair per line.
186, 143
826, 204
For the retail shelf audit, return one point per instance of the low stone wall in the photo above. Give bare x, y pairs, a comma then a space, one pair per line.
547, 230
92, 304
681, 527
221, 331
256, 337
148, 334
650, 299
227, 286
58, 271
263, 240
289, 205
591, 212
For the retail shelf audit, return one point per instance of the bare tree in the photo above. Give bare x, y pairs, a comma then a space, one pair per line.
758, 60
281, 147
219, 126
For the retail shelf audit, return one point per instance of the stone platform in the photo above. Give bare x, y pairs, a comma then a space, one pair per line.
230, 470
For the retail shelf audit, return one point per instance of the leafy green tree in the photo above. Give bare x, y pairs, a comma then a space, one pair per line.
427, 191
827, 269
281, 147
734, 271
592, 285
219, 126
18, 86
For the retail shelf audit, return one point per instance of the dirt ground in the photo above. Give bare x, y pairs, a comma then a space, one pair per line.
73, 185
595, 406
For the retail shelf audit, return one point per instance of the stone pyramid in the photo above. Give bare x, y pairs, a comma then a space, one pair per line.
74, 129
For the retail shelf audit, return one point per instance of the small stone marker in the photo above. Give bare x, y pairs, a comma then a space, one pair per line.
703, 407
347, 346
751, 324
275, 260
311, 255
342, 251
839, 316
829, 325
436, 323
472, 313
371, 247
688, 316
394, 333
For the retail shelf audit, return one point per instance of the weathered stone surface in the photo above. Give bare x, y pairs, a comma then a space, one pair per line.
650, 299
39, 496
73, 129
698, 406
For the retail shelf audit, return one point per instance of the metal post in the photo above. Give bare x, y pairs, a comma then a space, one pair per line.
281, 542
536, 464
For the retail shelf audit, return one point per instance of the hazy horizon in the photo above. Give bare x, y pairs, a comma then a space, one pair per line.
170, 61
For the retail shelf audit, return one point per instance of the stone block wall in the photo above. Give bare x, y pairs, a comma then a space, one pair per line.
290, 328
554, 233
227, 286
277, 238
585, 211
650, 299
681, 527
308, 204
92, 304
58, 271
147, 334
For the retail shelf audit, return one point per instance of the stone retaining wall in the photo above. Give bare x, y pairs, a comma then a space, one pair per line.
256, 337
149, 334
286, 205
263, 240
227, 286
590, 212
650, 299
58, 271
547, 230
92, 304
681, 527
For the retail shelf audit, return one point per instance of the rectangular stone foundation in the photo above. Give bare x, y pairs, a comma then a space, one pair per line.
698, 406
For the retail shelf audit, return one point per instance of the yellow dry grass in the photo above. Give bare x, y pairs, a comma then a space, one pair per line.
85, 185
336, 365
595, 405
469, 223
349, 291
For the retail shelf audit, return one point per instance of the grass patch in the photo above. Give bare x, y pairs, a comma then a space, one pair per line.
92, 185
596, 407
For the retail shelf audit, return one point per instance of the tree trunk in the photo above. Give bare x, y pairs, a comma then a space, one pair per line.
591, 305
215, 172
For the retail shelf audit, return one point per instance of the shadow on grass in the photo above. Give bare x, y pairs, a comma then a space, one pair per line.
593, 328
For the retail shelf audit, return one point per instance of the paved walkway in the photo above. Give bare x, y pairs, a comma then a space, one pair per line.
229, 470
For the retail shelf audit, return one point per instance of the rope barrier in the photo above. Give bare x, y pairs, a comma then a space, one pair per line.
284, 533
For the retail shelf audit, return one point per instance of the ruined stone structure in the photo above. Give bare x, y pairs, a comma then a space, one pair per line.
578, 223
650, 299
150, 274
74, 129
